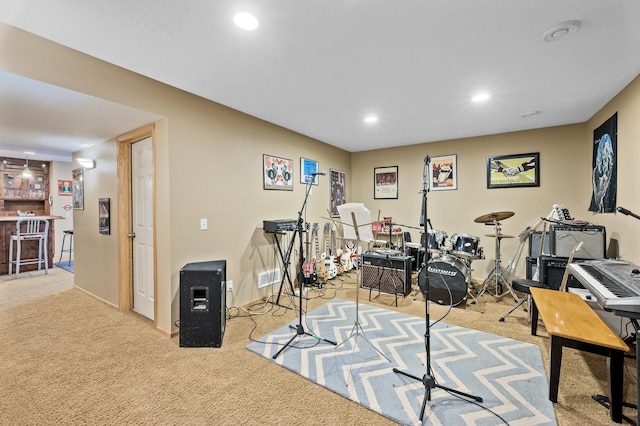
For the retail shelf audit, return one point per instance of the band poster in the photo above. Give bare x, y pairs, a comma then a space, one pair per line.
444, 173
277, 173
604, 166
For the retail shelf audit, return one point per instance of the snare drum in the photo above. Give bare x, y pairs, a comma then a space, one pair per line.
448, 280
465, 245
435, 241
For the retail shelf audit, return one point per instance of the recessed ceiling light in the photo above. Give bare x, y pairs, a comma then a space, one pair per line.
246, 21
480, 97
371, 119
561, 30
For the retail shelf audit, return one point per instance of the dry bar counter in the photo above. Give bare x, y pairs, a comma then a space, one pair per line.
8, 228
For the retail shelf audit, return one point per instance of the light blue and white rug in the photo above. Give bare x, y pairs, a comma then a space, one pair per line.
507, 374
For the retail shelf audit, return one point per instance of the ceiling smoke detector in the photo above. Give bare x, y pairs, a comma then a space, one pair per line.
561, 30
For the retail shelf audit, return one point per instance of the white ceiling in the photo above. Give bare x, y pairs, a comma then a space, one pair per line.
319, 67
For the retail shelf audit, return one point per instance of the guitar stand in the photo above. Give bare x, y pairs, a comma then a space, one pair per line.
299, 327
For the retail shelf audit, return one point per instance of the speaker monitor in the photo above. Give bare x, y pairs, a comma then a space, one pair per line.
389, 274
203, 304
565, 238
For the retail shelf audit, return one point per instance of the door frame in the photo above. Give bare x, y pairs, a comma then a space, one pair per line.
125, 249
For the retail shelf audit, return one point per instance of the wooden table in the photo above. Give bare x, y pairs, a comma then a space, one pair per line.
571, 322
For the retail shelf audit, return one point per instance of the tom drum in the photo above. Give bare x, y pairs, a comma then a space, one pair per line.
466, 246
435, 241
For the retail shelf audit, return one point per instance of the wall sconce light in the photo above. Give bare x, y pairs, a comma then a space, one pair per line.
87, 163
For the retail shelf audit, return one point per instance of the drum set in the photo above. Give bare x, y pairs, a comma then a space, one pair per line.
449, 266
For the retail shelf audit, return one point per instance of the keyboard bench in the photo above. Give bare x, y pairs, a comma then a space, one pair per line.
571, 322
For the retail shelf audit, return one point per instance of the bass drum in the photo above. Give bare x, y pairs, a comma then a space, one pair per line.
448, 280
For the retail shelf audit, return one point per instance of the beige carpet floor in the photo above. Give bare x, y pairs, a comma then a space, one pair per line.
68, 358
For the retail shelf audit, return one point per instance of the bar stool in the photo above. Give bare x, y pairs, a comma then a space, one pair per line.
70, 249
30, 229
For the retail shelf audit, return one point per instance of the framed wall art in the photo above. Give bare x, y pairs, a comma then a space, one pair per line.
307, 167
338, 196
385, 182
78, 189
444, 173
277, 173
104, 215
506, 171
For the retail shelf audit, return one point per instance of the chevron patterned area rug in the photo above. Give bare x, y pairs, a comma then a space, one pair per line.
507, 374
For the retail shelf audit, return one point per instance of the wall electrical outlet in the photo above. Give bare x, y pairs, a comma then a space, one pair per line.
229, 285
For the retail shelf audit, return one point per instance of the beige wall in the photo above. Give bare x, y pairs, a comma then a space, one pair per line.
208, 165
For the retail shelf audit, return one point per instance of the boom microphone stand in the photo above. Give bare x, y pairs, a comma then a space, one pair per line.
300, 328
428, 380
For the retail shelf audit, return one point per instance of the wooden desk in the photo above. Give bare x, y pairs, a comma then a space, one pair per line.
8, 228
571, 322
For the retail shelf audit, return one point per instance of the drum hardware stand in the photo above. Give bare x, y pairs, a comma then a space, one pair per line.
428, 380
357, 329
497, 274
300, 328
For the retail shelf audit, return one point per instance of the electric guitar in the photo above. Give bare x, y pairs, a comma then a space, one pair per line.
307, 275
329, 260
321, 271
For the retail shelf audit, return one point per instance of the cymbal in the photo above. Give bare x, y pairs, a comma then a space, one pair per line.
493, 217
500, 235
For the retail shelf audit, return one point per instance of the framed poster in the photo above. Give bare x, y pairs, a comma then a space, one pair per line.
277, 173
604, 167
337, 191
78, 189
104, 215
307, 167
506, 171
65, 187
385, 182
444, 173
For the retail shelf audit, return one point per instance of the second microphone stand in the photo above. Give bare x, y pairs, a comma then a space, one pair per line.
300, 328
428, 380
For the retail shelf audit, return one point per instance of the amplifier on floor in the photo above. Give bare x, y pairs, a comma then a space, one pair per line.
565, 238
390, 274
552, 271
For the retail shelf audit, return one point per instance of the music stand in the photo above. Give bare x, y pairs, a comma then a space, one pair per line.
359, 217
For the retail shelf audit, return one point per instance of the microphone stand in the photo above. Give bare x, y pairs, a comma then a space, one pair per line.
428, 380
300, 328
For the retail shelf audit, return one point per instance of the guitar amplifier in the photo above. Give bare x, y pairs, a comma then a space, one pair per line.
565, 238
389, 274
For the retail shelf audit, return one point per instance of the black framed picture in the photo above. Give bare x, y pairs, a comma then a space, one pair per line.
104, 215
507, 171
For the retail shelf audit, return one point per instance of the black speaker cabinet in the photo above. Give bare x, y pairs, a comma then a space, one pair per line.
390, 274
534, 244
203, 304
565, 238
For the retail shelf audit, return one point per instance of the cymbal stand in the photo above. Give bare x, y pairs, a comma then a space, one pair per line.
497, 275
300, 328
429, 380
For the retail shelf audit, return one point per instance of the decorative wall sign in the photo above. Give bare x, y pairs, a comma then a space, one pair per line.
65, 187
385, 182
277, 173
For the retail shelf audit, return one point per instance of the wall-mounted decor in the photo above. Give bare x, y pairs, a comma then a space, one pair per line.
338, 196
507, 171
104, 215
277, 173
78, 189
444, 173
385, 182
65, 187
307, 167
604, 166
